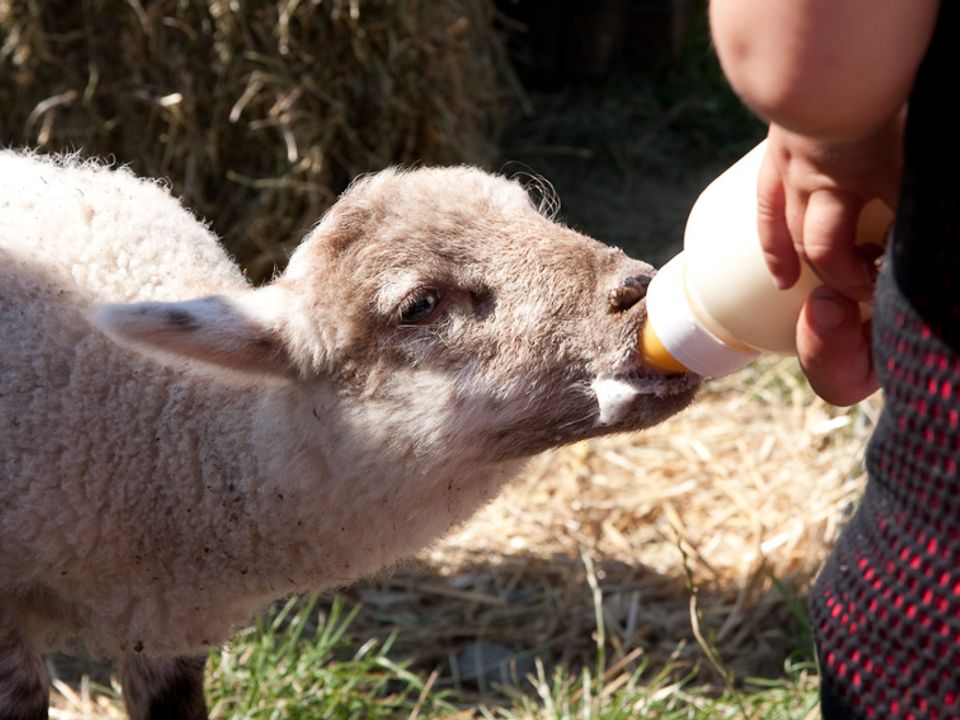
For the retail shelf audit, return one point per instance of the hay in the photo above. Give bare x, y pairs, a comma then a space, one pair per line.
258, 111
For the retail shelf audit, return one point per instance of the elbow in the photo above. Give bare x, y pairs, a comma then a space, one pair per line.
762, 78
832, 81
807, 105
822, 116
803, 110
782, 92
770, 94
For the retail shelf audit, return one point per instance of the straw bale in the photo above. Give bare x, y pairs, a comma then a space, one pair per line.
258, 111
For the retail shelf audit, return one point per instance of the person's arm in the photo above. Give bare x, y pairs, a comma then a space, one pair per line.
831, 69
832, 77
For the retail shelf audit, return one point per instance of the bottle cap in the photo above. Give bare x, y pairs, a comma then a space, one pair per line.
683, 338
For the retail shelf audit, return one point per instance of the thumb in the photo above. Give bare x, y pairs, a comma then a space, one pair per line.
833, 345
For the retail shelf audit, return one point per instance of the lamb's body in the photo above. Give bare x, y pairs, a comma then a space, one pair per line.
75, 507
106, 451
149, 503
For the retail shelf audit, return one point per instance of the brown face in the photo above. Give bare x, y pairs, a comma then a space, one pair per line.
474, 323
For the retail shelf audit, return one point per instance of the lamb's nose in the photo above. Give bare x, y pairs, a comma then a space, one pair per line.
629, 293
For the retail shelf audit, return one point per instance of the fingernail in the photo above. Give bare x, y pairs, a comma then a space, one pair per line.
780, 283
828, 313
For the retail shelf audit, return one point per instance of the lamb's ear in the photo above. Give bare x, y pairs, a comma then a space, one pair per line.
243, 332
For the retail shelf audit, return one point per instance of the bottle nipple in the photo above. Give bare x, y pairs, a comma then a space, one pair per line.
655, 354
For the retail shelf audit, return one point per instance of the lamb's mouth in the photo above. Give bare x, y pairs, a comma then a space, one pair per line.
637, 376
616, 391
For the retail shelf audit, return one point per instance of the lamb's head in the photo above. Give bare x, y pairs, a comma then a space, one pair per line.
443, 309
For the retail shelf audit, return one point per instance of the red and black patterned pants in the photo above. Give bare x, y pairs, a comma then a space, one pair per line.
886, 609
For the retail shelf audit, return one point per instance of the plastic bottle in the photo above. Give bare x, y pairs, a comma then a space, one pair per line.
714, 307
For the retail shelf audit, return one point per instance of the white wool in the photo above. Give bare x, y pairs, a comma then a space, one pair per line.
213, 463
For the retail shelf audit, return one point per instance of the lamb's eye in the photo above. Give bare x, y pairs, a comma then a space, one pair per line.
419, 305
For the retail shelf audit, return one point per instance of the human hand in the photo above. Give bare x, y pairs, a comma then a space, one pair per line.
810, 196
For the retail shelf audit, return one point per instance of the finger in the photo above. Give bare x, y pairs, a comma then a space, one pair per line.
778, 250
834, 348
829, 244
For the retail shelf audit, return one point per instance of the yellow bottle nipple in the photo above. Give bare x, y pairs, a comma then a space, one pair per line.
653, 352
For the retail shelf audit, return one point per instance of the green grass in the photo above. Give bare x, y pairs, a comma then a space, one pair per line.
563, 697
302, 662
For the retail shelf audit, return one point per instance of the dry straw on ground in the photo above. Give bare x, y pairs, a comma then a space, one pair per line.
740, 497
260, 111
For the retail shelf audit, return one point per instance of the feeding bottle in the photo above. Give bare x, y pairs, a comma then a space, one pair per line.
714, 307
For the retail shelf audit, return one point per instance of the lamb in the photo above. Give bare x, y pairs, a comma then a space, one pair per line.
179, 448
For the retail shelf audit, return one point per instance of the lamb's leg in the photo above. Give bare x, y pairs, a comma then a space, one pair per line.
163, 688
24, 694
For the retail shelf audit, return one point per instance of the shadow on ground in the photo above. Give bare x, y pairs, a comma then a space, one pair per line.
486, 624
